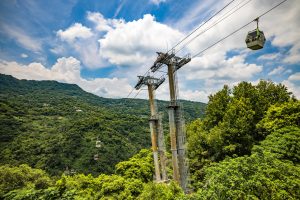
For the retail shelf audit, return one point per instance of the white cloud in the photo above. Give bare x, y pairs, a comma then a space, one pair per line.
216, 66
288, 71
276, 71
64, 70
98, 19
157, 2
88, 52
134, 43
116, 42
294, 54
22, 38
101, 23
82, 43
67, 70
294, 77
282, 32
121, 43
193, 16
75, 31
292, 87
293, 84
58, 50
271, 56
23, 55
194, 95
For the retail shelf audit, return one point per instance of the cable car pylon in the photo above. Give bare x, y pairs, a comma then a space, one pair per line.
176, 121
155, 121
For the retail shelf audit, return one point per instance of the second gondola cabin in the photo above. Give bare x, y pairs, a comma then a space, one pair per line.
255, 39
96, 157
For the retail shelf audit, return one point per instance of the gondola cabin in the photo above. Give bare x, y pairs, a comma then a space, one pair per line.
255, 40
98, 144
96, 157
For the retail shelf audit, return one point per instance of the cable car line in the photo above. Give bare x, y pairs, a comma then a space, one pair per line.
134, 88
214, 24
188, 36
201, 52
201, 25
138, 93
197, 36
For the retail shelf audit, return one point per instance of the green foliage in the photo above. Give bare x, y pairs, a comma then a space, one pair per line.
272, 171
198, 157
26, 183
12, 178
216, 107
269, 93
102, 187
230, 128
259, 176
283, 143
236, 128
140, 166
136, 183
268, 173
280, 115
33, 194
154, 191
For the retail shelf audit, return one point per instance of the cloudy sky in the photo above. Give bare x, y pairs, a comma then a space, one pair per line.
103, 45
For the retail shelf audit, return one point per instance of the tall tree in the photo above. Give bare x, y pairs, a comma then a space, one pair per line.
216, 107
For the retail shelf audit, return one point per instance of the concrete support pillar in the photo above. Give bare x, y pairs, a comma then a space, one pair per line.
154, 149
153, 129
181, 148
162, 149
172, 123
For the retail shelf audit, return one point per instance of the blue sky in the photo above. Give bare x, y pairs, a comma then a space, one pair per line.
103, 45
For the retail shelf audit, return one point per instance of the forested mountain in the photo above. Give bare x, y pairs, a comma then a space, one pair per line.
247, 146
54, 126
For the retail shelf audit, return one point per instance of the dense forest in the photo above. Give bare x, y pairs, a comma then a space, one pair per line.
54, 126
247, 146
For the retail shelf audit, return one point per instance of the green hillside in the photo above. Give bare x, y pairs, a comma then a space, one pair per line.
246, 147
54, 126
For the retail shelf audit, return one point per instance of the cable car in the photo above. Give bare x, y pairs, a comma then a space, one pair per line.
96, 157
255, 39
98, 143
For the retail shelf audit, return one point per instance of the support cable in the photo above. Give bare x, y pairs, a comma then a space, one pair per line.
133, 87
215, 23
221, 19
190, 35
266, 12
183, 39
137, 93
